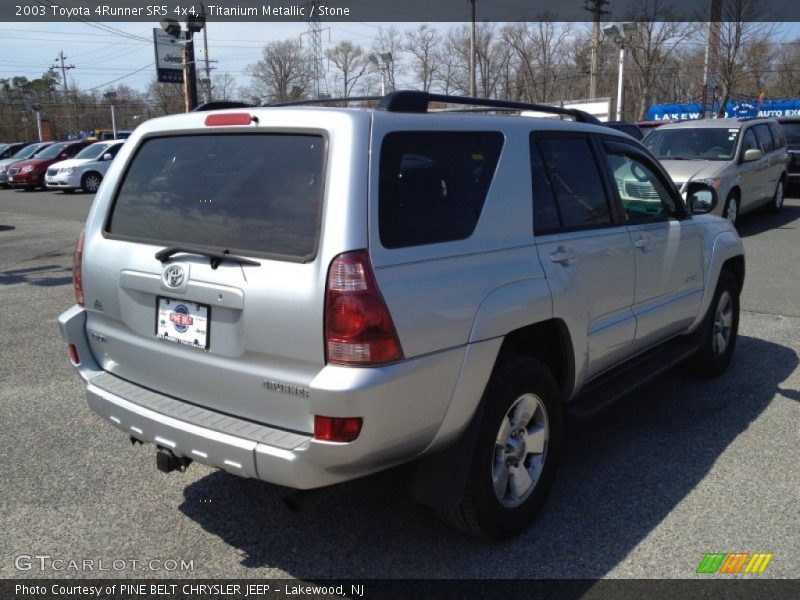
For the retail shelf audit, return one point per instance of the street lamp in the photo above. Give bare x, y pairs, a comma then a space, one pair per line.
383, 66
111, 96
623, 36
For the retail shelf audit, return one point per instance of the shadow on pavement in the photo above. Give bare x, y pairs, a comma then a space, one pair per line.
45, 276
622, 475
760, 221
7, 227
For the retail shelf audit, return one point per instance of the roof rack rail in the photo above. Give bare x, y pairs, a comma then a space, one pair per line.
412, 101
221, 104
327, 101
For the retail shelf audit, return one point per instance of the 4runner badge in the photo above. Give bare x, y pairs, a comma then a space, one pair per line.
173, 276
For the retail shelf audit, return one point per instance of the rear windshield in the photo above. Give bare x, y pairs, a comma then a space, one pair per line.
254, 193
693, 143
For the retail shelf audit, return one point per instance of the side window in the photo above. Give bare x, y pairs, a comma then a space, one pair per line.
113, 150
644, 196
749, 141
575, 181
764, 138
777, 135
433, 185
545, 212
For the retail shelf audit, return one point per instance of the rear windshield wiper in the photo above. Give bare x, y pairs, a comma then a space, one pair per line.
216, 257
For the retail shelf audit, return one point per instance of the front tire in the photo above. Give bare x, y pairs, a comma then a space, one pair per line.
720, 329
91, 182
732, 209
776, 204
516, 452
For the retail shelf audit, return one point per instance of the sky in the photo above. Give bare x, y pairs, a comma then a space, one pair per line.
124, 54
108, 54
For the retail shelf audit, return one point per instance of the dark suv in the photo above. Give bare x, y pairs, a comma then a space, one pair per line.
791, 131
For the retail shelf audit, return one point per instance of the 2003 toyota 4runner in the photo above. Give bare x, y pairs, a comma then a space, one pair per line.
307, 295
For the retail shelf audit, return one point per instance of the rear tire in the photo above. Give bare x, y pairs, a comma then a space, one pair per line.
516, 452
719, 330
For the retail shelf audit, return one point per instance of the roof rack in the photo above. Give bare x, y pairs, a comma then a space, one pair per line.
221, 104
412, 101
417, 102
327, 101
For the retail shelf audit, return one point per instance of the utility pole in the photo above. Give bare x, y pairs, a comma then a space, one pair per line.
315, 34
205, 53
473, 84
64, 68
712, 55
596, 7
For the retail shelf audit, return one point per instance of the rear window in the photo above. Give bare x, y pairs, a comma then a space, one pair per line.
256, 194
433, 185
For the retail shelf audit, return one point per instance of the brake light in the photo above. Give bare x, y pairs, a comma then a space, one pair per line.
228, 119
358, 327
77, 269
335, 429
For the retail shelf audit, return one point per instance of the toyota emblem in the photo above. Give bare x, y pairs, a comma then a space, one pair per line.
173, 276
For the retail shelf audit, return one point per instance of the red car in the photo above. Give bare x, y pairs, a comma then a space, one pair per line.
29, 174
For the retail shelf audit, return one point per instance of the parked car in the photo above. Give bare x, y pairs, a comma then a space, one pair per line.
632, 129
29, 173
744, 159
28, 151
791, 131
9, 150
85, 171
310, 295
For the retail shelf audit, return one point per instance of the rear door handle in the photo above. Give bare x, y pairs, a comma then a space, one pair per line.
643, 243
563, 255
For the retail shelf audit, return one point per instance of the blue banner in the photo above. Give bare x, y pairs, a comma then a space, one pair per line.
740, 109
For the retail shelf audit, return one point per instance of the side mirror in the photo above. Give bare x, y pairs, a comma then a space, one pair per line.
752, 154
107, 156
701, 198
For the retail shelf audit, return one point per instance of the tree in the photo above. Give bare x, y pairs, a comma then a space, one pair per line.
742, 27
657, 39
390, 42
351, 64
283, 73
422, 45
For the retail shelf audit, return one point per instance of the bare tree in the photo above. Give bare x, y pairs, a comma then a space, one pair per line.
351, 64
542, 51
742, 26
422, 45
389, 41
283, 72
656, 41
452, 58
224, 86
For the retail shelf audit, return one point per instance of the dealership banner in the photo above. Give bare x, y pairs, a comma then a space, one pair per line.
741, 109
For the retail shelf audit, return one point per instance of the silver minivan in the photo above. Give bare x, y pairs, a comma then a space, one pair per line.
745, 160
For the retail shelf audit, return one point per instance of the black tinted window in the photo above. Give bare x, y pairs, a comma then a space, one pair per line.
433, 185
575, 181
545, 213
252, 193
764, 138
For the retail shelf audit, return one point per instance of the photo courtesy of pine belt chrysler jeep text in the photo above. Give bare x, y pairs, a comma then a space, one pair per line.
307, 295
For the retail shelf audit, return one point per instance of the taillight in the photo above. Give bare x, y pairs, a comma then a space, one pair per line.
77, 270
358, 327
336, 429
73, 355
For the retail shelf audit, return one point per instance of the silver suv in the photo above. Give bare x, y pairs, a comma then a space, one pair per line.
310, 295
745, 160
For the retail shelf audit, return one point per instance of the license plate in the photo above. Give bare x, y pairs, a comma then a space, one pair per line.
182, 322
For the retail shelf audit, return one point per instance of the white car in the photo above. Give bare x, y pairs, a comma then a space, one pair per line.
85, 171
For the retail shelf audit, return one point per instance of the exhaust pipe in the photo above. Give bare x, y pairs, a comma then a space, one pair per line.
166, 461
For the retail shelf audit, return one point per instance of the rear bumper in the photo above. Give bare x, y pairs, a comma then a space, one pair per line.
402, 405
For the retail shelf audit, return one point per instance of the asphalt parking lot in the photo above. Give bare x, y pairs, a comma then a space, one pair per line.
682, 468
